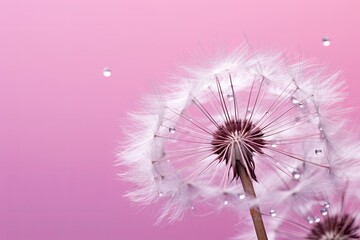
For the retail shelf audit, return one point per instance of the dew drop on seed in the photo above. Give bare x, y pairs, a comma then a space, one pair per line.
226, 202
296, 174
310, 220
106, 72
272, 213
324, 211
230, 97
295, 100
318, 151
326, 41
241, 196
172, 129
160, 193
248, 112
316, 219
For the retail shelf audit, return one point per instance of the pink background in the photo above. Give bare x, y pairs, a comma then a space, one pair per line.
60, 118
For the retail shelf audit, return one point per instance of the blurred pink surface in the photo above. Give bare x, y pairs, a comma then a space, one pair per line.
60, 118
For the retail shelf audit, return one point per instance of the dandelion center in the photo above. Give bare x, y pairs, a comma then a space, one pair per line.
242, 136
335, 228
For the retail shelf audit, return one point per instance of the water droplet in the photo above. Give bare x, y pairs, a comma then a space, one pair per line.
242, 196
310, 220
248, 112
296, 174
326, 204
272, 213
295, 100
192, 207
106, 72
317, 219
230, 97
301, 105
316, 120
160, 193
172, 129
324, 211
318, 151
274, 145
226, 202
326, 41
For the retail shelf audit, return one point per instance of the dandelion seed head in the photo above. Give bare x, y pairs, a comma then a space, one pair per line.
338, 227
338, 219
238, 134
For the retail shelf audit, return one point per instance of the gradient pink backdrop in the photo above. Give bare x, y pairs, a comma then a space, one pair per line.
59, 117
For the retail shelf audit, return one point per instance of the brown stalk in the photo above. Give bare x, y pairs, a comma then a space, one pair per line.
250, 192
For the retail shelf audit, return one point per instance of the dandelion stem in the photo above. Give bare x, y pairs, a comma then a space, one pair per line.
250, 192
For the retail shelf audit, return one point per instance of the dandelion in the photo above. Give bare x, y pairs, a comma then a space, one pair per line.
219, 131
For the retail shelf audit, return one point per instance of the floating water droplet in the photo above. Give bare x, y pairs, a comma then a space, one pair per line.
295, 100
310, 220
160, 193
296, 174
242, 196
317, 219
172, 129
226, 202
272, 213
324, 211
318, 151
326, 41
107, 72
230, 97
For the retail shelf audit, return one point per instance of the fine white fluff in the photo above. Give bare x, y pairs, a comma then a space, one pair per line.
167, 153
